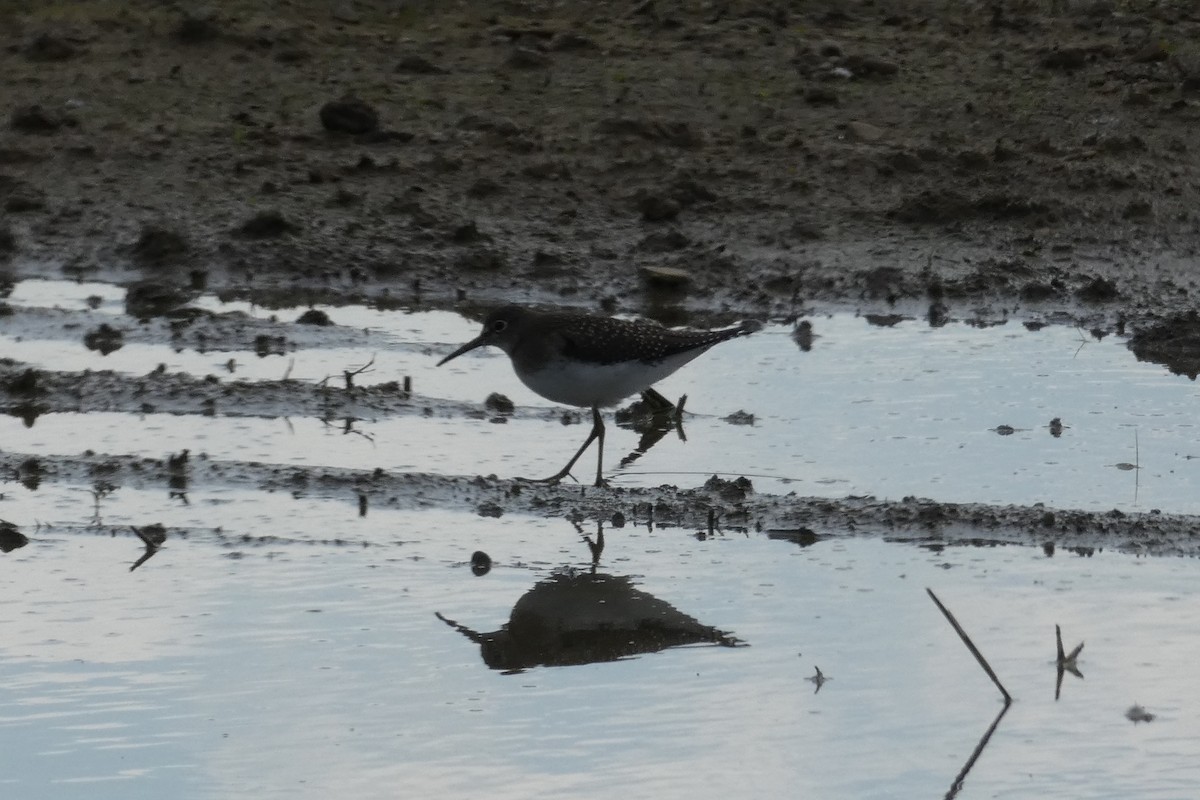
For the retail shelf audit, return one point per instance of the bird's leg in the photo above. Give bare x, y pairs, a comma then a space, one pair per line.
597, 433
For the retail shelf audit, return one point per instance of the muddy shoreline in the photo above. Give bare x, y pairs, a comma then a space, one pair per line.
690, 162
708, 511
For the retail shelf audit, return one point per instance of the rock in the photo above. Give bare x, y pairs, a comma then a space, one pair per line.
481, 563
349, 115
665, 277
104, 340
740, 417
268, 224
416, 65
35, 119
499, 403
157, 245
153, 299
1098, 290
314, 316
863, 132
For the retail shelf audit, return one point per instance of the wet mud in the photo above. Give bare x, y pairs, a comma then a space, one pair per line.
689, 162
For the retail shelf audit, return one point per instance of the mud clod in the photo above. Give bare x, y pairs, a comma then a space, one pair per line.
314, 316
270, 224
104, 339
158, 245
349, 115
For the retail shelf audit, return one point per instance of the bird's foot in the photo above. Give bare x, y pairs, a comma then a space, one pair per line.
555, 480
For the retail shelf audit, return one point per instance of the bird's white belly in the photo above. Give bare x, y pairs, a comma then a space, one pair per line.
589, 385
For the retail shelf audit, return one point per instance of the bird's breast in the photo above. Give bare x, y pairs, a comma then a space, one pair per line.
583, 384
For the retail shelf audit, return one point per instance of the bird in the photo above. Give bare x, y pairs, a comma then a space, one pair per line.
589, 360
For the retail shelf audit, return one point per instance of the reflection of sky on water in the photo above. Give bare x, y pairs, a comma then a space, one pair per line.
224, 667
906, 410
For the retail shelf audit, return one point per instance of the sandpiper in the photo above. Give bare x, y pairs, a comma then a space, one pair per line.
590, 361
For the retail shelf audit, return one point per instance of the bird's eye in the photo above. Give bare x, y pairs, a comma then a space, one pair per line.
499, 325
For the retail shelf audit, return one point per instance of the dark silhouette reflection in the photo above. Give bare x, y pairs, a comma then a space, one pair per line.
153, 537
26, 412
11, 538
961, 778
653, 416
584, 617
802, 335
29, 473
805, 537
1065, 662
177, 476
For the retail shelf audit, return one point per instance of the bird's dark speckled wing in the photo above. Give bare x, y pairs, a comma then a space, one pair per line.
604, 340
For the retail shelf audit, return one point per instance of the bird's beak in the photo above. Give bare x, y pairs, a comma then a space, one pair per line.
478, 341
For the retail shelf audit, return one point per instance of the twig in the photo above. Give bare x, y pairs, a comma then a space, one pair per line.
349, 374
971, 646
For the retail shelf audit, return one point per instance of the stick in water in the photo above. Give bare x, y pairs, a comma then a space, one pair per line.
971, 646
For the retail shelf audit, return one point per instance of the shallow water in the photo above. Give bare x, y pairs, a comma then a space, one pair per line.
885, 411
296, 667
282, 646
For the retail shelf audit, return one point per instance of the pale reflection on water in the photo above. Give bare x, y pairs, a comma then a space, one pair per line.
294, 667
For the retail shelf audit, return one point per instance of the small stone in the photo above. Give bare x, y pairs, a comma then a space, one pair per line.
314, 316
499, 403
864, 132
481, 563
1098, 290
104, 340
665, 277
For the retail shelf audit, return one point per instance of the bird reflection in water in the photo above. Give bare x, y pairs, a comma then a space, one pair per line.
582, 617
